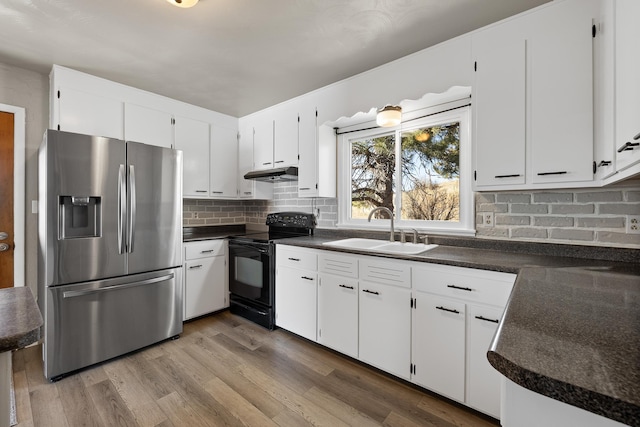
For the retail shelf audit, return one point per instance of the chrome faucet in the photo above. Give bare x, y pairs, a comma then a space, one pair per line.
388, 211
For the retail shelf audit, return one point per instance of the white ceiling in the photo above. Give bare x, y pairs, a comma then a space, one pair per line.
233, 56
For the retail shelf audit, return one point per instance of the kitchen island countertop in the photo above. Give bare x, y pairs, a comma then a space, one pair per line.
20, 319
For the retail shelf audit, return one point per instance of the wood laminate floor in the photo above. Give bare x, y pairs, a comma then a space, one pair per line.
224, 370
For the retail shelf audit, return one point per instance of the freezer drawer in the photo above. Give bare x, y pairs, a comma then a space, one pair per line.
91, 322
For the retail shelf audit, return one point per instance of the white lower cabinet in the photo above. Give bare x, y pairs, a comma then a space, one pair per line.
338, 313
206, 278
439, 345
483, 381
385, 327
296, 301
427, 323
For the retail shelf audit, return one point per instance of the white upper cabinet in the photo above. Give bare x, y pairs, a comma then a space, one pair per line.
499, 105
627, 85
192, 137
147, 125
561, 92
285, 143
87, 113
533, 99
308, 149
245, 158
263, 142
224, 161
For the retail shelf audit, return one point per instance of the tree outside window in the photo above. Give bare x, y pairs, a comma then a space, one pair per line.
429, 164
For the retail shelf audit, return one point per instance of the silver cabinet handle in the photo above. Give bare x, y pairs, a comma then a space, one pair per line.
201, 191
208, 251
195, 266
217, 192
279, 161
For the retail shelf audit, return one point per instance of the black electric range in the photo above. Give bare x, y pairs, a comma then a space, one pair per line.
252, 265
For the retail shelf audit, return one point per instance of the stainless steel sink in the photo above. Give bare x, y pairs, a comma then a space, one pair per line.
381, 246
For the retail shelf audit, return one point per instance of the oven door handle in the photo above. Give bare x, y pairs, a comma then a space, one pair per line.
262, 248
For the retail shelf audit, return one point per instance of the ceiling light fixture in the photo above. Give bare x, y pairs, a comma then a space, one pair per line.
183, 3
389, 115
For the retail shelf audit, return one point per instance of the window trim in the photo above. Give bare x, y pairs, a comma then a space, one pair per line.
466, 224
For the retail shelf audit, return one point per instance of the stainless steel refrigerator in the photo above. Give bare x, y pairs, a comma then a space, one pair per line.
110, 238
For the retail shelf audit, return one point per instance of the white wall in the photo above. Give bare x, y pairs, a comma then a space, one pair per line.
29, 90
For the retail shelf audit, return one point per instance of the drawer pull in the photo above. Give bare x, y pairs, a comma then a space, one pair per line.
208, 251
195, 266
628, 146
294, 259
552, 173
304, 188
371, 292
306, 278
448, 309
266, 163
247, 192
201, 191
459, 287
487, 320
279, 161
508, 176
217, 192
346, 287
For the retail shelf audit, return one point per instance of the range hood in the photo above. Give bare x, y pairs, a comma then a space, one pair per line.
289, 173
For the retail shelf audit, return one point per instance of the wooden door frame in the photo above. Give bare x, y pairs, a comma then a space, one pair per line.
19, 175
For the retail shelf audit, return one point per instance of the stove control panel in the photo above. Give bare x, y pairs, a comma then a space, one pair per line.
291, 219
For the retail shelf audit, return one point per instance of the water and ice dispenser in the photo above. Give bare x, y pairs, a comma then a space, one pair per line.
80, 216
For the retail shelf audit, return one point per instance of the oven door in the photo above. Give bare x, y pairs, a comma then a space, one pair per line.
251, 271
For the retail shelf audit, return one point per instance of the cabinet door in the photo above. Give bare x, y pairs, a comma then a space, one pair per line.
90, 114
296, 300
483, 381
439, 345
338, 313
224, 160
192, 137
285, 143
627, 72
263, 143
385, 327
499, 90
205, 286
307, 147
245, 158
562, 93
149, 126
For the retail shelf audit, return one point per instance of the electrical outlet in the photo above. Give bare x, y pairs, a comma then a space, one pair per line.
633, 224
195, 215
487, 219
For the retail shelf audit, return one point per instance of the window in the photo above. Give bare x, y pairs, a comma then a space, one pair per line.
419, 170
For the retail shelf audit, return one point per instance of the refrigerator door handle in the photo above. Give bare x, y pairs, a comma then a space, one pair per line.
132, 207
122, 209
72, 294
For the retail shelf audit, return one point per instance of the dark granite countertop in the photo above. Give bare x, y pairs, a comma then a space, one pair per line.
573, 334
571, 329
192, 234
20, 319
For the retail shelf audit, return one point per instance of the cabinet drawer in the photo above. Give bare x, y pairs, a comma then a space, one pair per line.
295, 257
203, 249
386, 272
342, 265
487, 287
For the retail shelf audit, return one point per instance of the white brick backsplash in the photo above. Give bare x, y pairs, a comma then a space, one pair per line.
583, 216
